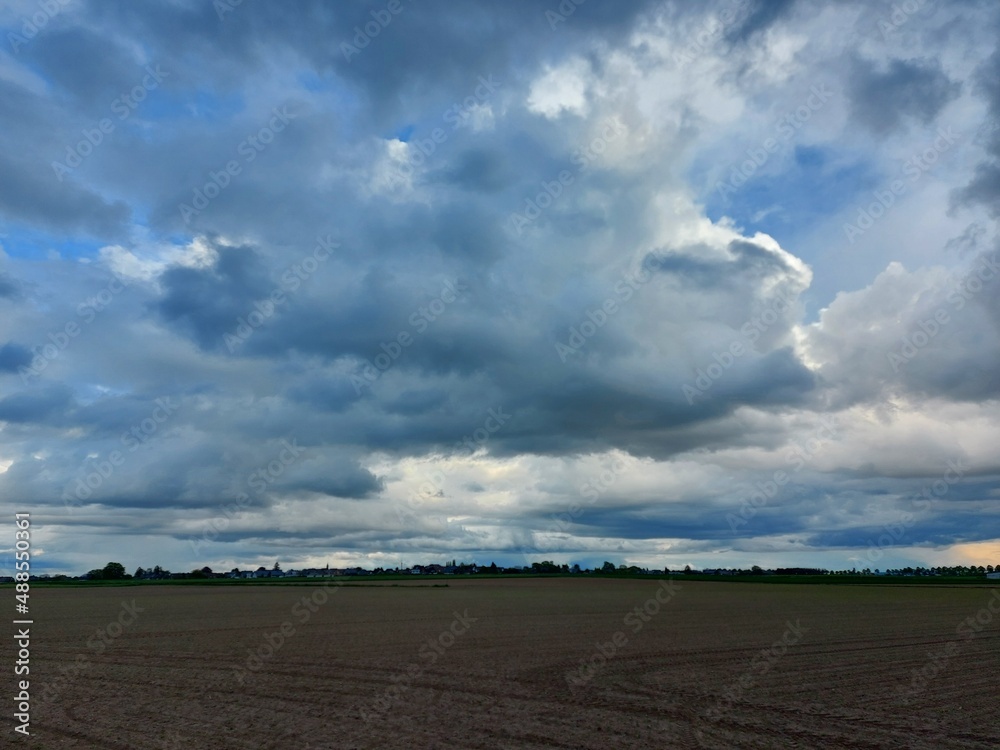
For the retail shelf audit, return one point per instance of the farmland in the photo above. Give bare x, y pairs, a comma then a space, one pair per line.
502, 663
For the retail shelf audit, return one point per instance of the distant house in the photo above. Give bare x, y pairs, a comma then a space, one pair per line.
994, 575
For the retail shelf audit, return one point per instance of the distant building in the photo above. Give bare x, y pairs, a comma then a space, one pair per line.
994, 576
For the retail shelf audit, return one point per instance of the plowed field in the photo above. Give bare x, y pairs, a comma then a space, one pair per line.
533, 663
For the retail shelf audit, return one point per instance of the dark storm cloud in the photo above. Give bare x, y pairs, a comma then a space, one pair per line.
952, 520
14, 356
114, 416
208, 302
353, 319
429, 45
34, 133
21, 111
760, 16
984, 187
882, 99
413, 402
85, 65
578, 413
324, 394
466, 231
777, 378
480, 170
9, 288
30, 194
341, 479
48, 405
729, 520
749, 262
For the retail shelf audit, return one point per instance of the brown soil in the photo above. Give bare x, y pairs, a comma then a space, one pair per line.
359, 673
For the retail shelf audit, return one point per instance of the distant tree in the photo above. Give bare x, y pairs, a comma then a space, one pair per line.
139, 572
756, 570
276, 566
96, 574
687, 568
114, 571
575, 568
546, 566
608, 567
493, 567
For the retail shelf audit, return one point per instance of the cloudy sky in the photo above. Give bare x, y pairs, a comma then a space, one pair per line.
659, 283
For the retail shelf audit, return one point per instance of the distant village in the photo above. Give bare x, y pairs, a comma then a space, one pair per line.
116, 571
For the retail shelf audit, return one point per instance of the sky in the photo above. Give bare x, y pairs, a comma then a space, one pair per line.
370, 283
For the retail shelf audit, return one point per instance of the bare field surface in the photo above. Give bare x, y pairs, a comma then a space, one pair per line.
520, 664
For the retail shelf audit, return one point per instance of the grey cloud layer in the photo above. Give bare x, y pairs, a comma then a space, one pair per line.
404, 240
